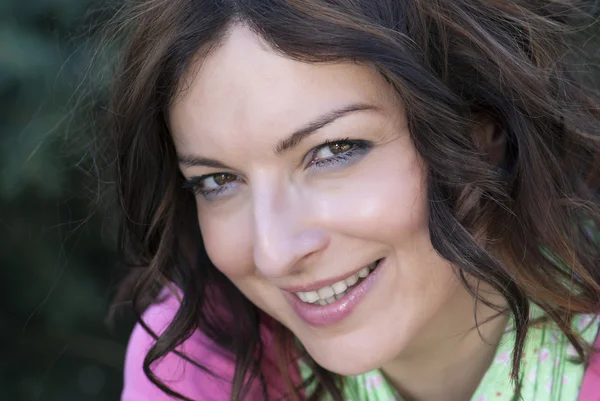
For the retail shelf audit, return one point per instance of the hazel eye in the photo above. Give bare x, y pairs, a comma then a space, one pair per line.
215, 181
212, 186
338, 153
332, 149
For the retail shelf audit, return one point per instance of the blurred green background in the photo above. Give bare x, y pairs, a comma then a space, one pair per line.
57, 249
57, 252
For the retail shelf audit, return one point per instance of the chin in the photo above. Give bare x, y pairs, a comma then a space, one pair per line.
348, 358
349, 364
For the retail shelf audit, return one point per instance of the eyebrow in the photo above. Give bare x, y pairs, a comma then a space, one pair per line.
286, 144
326, 119
194, 161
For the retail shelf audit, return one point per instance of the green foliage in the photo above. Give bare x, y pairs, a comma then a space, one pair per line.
57, 256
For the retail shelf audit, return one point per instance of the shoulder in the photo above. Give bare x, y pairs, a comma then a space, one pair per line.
174, 371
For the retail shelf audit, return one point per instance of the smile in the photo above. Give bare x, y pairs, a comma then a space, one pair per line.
331, 293
333, 303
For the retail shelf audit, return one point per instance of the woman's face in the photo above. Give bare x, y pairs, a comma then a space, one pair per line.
305, 176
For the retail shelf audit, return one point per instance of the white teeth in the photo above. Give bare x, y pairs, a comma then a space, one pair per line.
311, 296
329, 294
326, 292
350, 281
339, 287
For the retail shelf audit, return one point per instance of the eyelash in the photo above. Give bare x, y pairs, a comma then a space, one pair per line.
193, 184
359, 148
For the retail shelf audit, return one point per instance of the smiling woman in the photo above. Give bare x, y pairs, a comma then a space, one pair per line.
365, 200
307, 192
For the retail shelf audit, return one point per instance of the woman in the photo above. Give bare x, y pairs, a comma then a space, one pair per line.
357, 199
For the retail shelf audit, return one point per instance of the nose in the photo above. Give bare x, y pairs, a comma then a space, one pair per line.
284, 232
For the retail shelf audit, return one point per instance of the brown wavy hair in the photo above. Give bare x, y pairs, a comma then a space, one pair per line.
524, 223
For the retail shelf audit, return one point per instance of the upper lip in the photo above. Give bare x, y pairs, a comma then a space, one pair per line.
317, 285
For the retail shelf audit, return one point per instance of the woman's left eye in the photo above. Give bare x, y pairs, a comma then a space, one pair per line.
338, 152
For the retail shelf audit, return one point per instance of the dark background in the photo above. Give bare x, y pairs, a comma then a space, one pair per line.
57, 246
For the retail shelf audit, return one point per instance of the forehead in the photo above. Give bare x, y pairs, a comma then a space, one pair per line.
245, 88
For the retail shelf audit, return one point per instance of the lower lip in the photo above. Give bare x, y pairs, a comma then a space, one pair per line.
326, 315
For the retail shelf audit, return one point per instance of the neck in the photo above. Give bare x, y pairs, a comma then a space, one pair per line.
451, 355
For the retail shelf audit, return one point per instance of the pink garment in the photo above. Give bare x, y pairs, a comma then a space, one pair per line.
201, 386
590, 388
184, 377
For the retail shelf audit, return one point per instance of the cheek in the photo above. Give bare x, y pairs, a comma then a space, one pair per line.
227, 242
385, 201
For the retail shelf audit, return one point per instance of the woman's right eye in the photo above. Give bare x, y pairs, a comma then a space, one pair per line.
211, 185
215, 181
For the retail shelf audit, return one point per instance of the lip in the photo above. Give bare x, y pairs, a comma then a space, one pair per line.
326, 315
